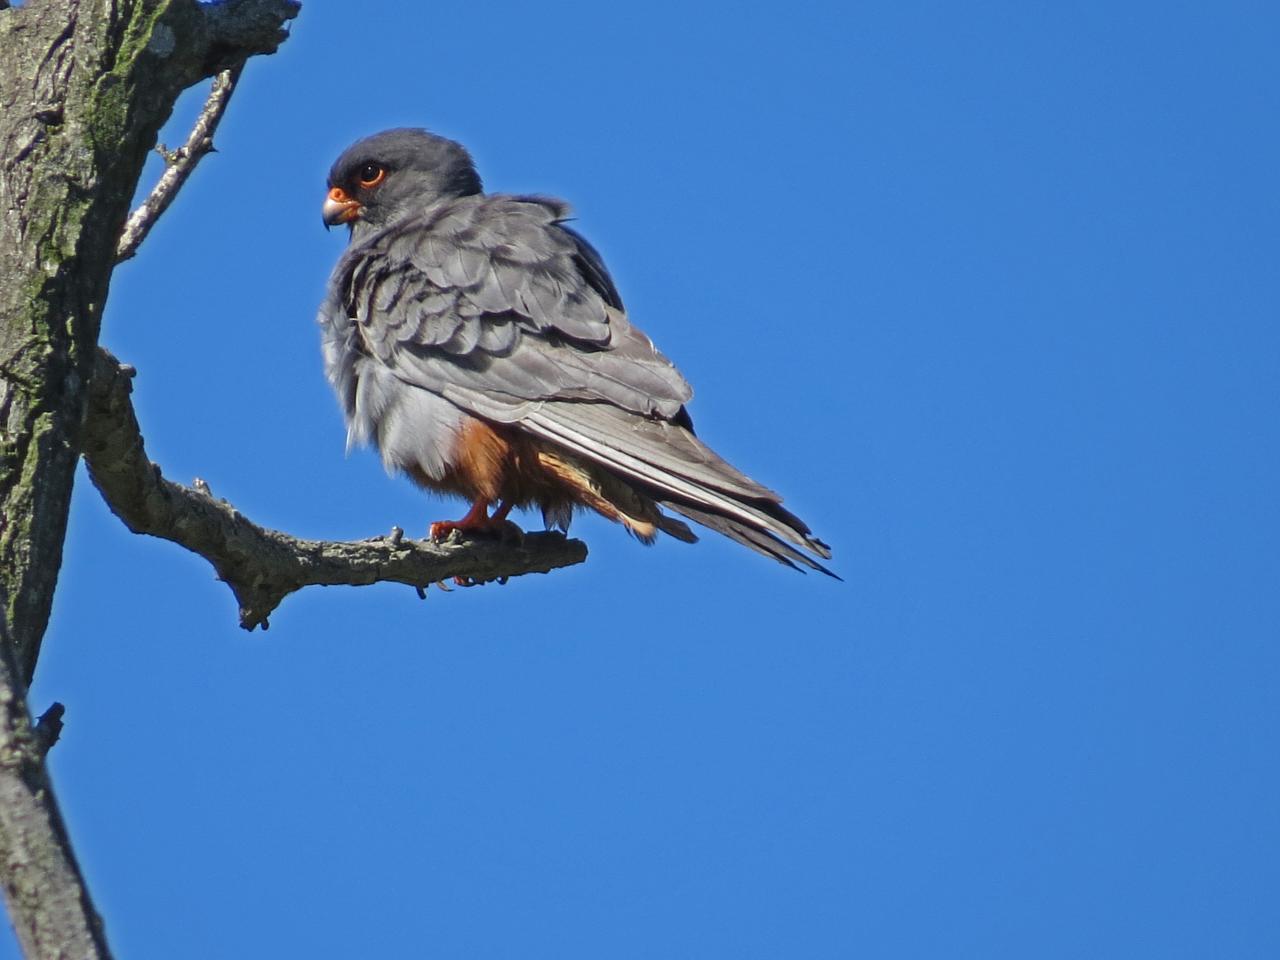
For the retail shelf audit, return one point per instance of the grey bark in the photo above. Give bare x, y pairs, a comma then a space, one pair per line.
263, 566
85, 86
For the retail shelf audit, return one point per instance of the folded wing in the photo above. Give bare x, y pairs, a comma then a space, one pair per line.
496, 305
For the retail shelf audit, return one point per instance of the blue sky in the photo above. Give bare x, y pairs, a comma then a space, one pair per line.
988, 291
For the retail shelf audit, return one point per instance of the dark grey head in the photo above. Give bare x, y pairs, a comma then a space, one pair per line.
380, 178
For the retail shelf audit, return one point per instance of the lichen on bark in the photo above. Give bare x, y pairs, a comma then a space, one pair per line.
84, 90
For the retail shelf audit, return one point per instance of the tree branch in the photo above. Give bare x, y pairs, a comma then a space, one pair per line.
263, 566
179, 164
49, 904
48, 728
85, 86
207, 37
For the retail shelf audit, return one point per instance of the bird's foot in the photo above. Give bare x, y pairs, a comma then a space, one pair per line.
504, 531
473, 582
478, 523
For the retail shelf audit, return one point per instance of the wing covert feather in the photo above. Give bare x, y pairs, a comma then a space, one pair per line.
491, 295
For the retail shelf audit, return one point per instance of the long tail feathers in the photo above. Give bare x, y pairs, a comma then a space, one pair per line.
662, 463
758, 540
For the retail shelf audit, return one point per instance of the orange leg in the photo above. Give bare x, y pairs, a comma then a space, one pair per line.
478, 522
475, 521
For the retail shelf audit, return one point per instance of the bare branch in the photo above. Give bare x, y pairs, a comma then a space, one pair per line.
179, 164
244, 26
263, 566
49, 904
48, 729
208, 37
85, 88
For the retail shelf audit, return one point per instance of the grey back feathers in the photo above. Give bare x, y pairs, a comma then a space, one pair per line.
450, 304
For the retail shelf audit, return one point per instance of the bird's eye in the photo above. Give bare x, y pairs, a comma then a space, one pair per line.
371, 174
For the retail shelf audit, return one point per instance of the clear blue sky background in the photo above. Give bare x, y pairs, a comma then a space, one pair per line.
989, 291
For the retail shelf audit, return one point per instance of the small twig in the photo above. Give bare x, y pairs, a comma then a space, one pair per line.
264, 566
179, 164
49, 728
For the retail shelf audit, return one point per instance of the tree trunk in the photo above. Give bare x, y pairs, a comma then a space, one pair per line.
84, 89
85, 86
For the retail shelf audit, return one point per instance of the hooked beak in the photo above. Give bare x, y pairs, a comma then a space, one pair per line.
339, 208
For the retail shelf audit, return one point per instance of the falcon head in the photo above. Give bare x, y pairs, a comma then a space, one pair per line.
380, 178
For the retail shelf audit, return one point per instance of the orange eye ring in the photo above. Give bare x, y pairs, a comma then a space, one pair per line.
372, 174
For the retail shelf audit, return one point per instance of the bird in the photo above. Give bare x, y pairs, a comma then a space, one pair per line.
478, 341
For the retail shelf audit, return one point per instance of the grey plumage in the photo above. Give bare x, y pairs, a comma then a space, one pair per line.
450, 304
